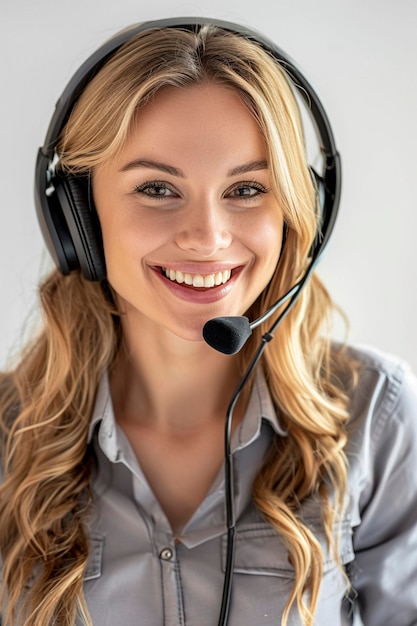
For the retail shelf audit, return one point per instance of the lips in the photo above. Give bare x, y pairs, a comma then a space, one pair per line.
199, 281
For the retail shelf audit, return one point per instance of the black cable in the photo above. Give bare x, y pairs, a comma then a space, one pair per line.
229, 487
228, 456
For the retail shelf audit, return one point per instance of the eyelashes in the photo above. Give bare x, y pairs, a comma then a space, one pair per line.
160, 190
246, 190
156, 189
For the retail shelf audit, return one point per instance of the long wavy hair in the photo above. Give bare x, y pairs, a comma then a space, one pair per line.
47, 400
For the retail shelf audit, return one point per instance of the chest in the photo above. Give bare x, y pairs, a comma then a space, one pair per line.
179, 470
141, 572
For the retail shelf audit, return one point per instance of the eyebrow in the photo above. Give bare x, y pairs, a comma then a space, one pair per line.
251, 166
154, 165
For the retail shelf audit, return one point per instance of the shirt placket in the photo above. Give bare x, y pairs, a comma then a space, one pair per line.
171, 587
164, 548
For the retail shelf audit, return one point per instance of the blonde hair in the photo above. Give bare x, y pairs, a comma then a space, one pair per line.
47, 401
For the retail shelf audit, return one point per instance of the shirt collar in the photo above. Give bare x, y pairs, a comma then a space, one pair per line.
103, 409
260, 407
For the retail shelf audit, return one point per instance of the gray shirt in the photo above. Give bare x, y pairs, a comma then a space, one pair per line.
139, 573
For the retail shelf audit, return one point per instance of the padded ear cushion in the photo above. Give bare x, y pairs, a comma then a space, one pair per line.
83, 225
321, 196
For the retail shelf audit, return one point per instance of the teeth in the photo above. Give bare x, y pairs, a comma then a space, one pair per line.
198, 280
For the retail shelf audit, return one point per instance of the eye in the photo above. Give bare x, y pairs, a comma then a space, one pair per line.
156, 189
246, 190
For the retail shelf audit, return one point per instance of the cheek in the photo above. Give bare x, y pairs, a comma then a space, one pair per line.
128, 237
267, 242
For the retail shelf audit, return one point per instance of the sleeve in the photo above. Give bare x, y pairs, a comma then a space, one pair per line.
384, 573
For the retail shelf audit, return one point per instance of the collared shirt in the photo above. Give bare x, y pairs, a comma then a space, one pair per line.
140, 573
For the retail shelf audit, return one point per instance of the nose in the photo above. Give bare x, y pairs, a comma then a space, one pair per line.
205, 229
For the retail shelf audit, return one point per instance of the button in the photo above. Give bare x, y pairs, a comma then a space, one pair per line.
166, 554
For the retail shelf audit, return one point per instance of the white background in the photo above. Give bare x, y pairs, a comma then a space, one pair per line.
360, 55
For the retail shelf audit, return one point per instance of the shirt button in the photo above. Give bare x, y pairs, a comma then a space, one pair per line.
166, 554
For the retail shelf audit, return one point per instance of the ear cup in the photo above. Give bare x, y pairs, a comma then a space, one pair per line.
320, 188
83, 225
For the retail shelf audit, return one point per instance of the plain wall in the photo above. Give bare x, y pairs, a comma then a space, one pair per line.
360, 55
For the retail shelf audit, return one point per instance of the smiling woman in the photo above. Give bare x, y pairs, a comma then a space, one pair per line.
173, 188
189, 191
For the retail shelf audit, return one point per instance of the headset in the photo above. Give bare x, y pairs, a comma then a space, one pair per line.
72, 232
71, 229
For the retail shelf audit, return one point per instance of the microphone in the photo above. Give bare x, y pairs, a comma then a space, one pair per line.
229, 334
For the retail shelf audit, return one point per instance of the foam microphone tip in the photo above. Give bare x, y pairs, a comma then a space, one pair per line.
227, 334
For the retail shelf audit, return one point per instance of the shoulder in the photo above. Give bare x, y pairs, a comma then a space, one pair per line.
386, 388
370, 358
382, 430
382, 492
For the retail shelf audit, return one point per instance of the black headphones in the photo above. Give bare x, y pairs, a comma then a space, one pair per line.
71, 229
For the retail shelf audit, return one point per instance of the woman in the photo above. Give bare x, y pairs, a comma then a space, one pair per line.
188, 150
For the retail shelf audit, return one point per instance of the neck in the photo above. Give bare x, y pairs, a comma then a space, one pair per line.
171, 384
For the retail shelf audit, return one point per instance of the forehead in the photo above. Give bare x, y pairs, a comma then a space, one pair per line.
200, 121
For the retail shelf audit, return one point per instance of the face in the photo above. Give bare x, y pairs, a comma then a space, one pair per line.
191, 228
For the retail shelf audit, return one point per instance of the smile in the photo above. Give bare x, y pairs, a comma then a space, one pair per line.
204, 281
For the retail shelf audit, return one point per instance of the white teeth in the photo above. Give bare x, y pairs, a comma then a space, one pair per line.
198, 280
209, 280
